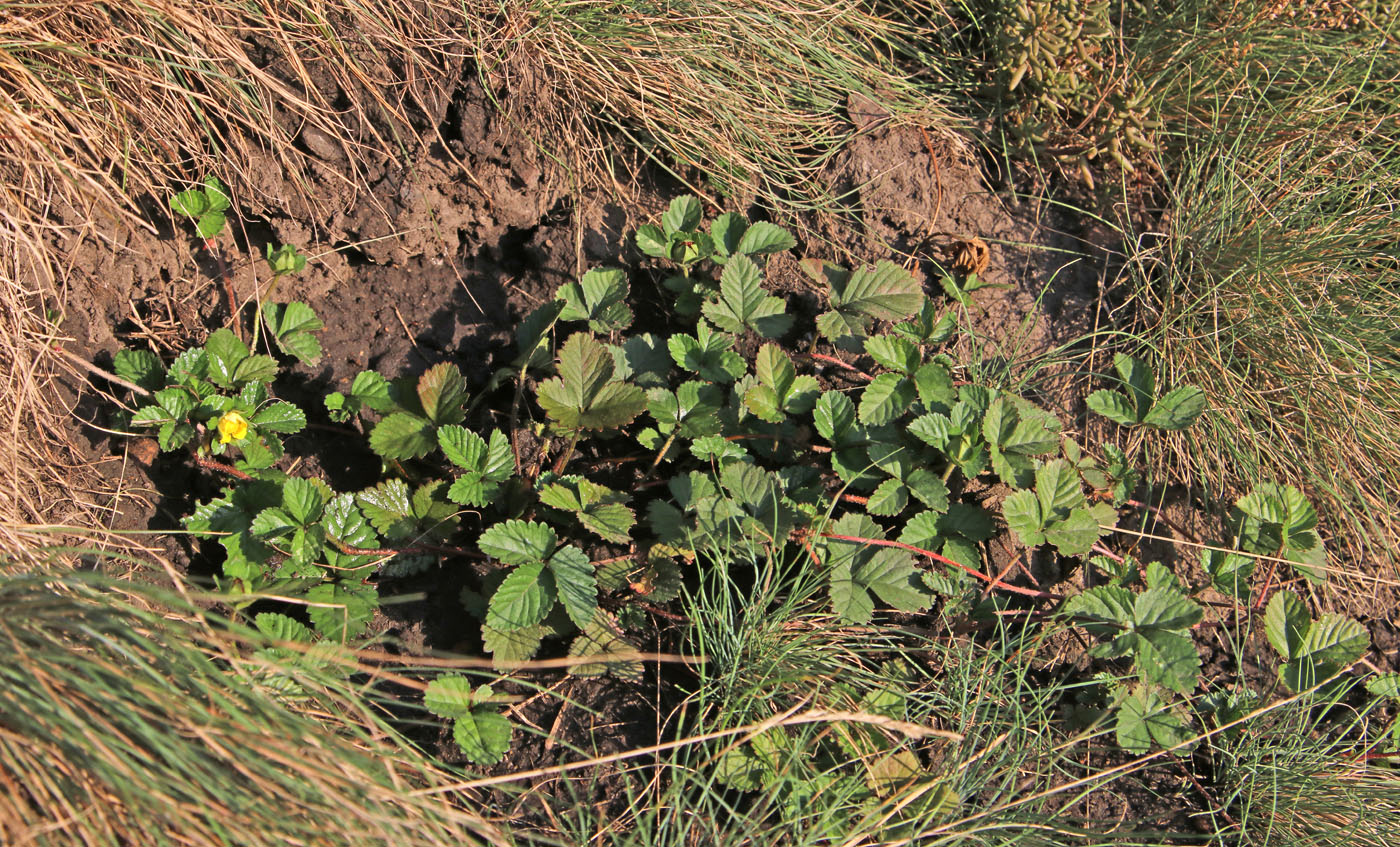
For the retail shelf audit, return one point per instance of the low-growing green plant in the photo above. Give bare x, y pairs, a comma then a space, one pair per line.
633, 454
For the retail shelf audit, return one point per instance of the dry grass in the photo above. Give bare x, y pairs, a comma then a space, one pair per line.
127, 725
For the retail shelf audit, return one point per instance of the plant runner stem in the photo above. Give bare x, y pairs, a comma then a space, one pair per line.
992, 581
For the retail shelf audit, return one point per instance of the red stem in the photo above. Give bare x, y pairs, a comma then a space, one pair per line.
991, 581
832, 360
211, 464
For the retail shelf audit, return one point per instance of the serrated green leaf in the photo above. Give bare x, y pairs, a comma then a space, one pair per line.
1178, 409
780, 392
282, 628
280, 417
1385, 685
889, 498
1114, 406
442, 391
651, 240
388, 508
726, 231
517, 542
449, 696
259, 368
885, 292
599, 298
1144, 720
894, 353
1334, 641
601, 638
576, 584
858, 570
1023, 515
1140, 381
707, 354
1286, 621
515, 645
341, 611
291, 326
582, 397
643, 359
523, 599
302, 500
886, 398
209, 225
225, 352
1166, 608
1076, 534
1168, 659
743, 303
763, 237
403, 436
683, 215
191, 203
483, 735
1229, 572
835, 416
141, 367
1057, 488
928, 489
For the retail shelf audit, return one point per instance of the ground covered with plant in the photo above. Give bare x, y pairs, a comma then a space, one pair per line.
793, 423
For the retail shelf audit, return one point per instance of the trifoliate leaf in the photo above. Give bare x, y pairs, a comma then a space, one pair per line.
1139, 381
743, 303
1144, 720
727, 230
291, 326
599, 298
483, 734
885, 292
1229, 572
1168, 659
582, 396
517, 542
707, 353
780, 391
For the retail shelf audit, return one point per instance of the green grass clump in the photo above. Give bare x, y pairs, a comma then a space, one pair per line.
1276, 284
127, 723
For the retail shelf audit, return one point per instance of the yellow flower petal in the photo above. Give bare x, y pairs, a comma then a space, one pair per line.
232, 427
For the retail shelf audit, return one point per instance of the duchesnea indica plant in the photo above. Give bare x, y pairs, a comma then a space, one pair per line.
638, 454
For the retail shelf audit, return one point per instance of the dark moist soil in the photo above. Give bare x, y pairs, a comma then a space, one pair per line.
460, 238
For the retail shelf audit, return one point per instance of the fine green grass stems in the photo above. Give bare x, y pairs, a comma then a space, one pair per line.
1276, 284
131, 718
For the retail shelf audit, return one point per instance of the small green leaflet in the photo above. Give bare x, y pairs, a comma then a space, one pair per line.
478, 727
744, 304
780, 391
583, 395
599, 298
601, 510
1312, 650
231, 365
141, 367
1016, 430
707, 353
859, 570
442, 390
341, 610
517, 542
206, 205
291, 326
1144, 720
369, 390
1178, 409
1056, 511
486, 465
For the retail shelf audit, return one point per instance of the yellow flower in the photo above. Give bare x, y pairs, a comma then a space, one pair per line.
232, 427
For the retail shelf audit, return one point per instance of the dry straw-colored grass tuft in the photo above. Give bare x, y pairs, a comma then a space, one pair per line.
124, 725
